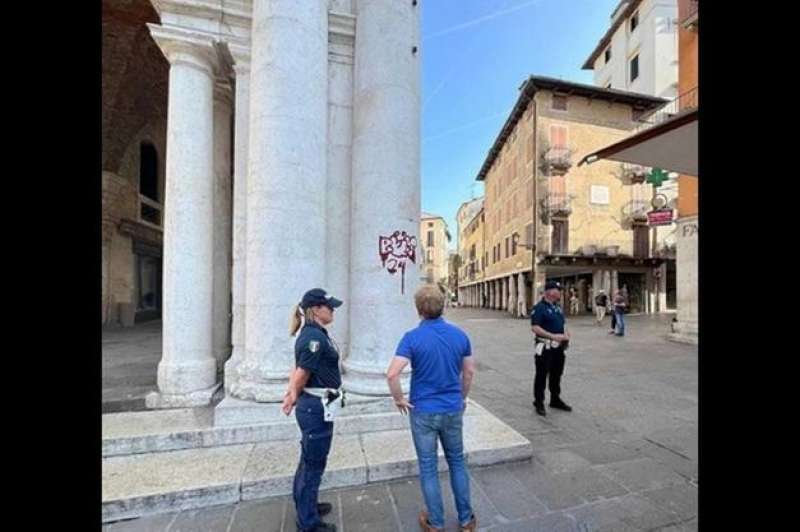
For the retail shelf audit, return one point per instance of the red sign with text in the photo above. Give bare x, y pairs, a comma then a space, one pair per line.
660, 217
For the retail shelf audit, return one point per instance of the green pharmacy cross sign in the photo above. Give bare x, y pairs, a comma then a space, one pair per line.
657, 177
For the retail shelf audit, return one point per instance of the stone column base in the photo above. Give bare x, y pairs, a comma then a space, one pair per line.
158, 400
368, 382
684, 332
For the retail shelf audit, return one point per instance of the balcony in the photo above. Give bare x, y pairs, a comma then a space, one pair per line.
557, 160
635, 211
557, 204
682, 103
633, 174
691, 18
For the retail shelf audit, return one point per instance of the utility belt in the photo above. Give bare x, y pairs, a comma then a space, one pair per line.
332, 400
542, 343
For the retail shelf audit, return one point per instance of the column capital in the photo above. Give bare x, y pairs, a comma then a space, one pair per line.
241, 58
182, 46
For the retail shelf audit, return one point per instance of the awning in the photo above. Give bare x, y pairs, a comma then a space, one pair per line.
670, 145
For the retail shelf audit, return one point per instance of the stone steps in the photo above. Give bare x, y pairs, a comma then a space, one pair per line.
192, 428
142, 484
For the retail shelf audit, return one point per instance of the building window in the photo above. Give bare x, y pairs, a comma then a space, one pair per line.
507, 242
430, 238
635, 68
558, 136
608, 54
559, 102
514, 239
148, 171
149, 201
634, 21
559, 243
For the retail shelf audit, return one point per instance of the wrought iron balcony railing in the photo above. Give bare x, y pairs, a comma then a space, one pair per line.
557, 160
558, 204
682, 103
635, 211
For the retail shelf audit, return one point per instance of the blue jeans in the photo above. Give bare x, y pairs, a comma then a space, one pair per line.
427, 430
315, 445
620, 322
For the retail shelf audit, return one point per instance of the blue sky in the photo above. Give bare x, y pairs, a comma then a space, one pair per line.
475, 55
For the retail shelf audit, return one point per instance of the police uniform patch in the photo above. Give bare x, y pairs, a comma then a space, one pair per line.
313, 346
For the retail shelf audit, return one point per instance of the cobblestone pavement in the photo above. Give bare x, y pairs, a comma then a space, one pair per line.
624, 460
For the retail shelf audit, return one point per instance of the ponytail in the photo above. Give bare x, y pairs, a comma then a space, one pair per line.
295, 320
297, 317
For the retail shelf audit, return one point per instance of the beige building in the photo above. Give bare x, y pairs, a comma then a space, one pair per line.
471, 248
434, 238
587, 226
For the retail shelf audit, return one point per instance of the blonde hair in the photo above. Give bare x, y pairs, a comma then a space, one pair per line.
429, 301
297, 317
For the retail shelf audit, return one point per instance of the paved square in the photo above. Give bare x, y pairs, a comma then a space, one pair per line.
624, 460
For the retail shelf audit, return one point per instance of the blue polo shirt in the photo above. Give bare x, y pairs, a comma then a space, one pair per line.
436, 350
548, 316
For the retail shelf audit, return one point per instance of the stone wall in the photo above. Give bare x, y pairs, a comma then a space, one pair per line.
134, 104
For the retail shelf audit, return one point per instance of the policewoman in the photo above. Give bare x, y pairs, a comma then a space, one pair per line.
551, 340
315, 389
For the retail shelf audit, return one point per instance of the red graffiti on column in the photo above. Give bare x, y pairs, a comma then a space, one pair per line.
395, 251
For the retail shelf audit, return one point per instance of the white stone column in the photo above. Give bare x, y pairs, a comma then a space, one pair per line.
614, 282
503, 293
241, 134
286, 185
386, 186
221, 332
187, 373
497, 294
522, 304
340, 153
661, 283
512, 295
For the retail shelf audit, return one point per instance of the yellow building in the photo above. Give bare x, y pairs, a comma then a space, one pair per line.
434, 238
583, 226
471, 223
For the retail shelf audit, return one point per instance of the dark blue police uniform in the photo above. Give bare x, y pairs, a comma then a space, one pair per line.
316, 353
550, 362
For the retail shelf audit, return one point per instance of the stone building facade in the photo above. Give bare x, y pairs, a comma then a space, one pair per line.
582, 226
253, 150
639, 51
434, 239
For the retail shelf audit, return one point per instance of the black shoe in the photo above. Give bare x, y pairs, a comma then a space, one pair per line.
561, 405
540, 409
322, 527
324, 508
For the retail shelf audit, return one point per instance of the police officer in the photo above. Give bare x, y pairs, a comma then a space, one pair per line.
551, 340
315, 388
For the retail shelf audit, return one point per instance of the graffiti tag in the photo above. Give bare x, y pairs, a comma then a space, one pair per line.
395, 251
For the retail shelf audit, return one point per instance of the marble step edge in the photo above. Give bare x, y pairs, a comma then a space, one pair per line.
204, 434
279, 485
237, 435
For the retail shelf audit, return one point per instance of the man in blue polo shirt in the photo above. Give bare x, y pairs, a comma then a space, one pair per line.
551, 340
442, 369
